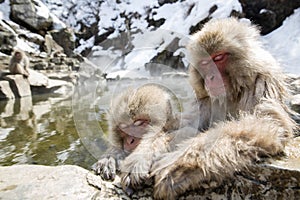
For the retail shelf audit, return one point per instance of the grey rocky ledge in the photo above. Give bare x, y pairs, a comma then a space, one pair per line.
279, 179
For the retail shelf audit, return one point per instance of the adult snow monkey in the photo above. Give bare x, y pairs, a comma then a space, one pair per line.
230, 72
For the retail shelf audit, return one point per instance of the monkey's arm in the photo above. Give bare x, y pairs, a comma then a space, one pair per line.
26, 66
109, 164
219, 152
136, 167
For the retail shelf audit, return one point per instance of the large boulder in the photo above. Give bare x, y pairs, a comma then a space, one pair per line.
32, 14
44, 182
19, 85
40, 83
37, 79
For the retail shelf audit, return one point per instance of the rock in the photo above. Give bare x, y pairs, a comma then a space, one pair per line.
8, 38
19, 85
30, 37
32, 14
295, 103
162, 2
51, 46
58, 86
40, 65
44, 182
66, 39
295, 86
37, 79
269, 14
5, 91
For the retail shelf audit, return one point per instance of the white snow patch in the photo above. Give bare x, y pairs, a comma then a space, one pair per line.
284, 43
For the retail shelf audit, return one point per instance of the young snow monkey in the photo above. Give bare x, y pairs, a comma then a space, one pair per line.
142, 125
19, 63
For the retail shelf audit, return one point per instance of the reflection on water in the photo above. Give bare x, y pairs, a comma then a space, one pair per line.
40, 130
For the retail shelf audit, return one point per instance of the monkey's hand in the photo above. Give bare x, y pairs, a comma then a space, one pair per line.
106, 168
184, 169
135, 171
170, 176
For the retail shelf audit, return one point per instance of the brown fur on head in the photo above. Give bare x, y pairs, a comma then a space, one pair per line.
19, 63
247, 61
149, 102
18, 55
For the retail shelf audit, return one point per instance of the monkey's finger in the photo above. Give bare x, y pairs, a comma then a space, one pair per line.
108, 171
108, 174
125, 181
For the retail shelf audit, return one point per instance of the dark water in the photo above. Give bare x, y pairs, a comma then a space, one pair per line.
40, 130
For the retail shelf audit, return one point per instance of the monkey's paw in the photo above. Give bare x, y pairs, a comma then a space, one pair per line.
170, 182
106, 168
135, 176
171, 177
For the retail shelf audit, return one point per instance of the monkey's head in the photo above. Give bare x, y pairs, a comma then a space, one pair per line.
139, 113
18, 55
223, 58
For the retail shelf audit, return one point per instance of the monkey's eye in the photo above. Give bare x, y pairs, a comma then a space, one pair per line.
140, 122
122, 125
218, 57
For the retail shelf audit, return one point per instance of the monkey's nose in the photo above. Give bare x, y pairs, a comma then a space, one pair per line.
132, 141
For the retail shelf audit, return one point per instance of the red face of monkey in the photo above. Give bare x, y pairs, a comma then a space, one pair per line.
213, 71
18, 55
132, 134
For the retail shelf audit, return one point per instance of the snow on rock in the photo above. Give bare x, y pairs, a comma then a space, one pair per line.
284, 43
140, 19
5, 10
